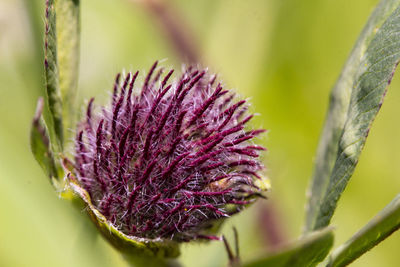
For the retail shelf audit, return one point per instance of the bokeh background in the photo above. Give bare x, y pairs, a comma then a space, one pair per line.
284, 55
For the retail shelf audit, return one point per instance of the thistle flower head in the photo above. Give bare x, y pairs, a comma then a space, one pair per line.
165, 160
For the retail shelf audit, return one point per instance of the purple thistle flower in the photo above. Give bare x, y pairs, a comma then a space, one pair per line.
168, 160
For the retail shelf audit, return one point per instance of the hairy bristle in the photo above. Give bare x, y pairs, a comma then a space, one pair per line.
168, 159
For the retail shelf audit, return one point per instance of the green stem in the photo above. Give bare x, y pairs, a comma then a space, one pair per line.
378, 229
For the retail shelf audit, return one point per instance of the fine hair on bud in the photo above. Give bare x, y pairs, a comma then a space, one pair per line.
167, 157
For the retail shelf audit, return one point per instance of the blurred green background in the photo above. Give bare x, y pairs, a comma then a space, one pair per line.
284, 55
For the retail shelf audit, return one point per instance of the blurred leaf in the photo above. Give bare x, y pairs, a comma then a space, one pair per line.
308, 251
355, 101
40, 143
68, 32
379, 228
35, 14
54, 123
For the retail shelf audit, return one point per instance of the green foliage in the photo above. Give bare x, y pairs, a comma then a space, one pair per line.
55, 121
380, 227
61, 66
39, 141
68, 43
355, 101
308, 251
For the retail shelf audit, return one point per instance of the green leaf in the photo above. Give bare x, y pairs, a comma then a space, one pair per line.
308, 251
68, 32
54, 123
61, 65
380, 227
40, 144
355, 101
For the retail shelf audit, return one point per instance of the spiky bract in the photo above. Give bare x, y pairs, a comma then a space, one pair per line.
168, 159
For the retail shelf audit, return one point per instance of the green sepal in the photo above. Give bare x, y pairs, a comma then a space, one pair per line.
128, 245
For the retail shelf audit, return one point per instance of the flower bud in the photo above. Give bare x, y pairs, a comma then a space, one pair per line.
166, 160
